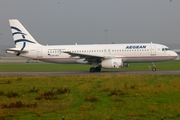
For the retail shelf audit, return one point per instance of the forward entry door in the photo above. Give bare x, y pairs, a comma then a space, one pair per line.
153, 50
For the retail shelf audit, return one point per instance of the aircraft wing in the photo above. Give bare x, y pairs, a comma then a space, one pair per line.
93, 58
85, 55
88, 57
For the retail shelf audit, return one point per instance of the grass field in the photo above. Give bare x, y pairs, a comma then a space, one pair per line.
126, 97
109, 97
4, 67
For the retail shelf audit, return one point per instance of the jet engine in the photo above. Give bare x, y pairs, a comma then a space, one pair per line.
112, 63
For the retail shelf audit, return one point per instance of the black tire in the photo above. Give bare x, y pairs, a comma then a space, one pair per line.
154, 69
92, 69
98, 69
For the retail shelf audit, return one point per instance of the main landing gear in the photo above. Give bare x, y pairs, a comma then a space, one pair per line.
95, 69
153, 67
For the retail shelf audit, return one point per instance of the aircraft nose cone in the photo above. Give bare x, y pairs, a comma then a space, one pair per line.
175, 55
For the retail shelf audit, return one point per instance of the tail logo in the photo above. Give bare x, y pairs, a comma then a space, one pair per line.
23, 35
24, 40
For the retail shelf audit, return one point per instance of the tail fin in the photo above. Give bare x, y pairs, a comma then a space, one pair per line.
21, 36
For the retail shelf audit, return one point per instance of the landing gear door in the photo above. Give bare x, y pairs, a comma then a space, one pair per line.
39, 52
153, 50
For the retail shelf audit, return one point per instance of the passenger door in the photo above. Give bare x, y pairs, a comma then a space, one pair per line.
153, 50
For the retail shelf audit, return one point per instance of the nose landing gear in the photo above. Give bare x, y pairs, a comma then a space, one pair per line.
153, 67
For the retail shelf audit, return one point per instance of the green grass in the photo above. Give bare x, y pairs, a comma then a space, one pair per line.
134, 97
171, 65
126, 97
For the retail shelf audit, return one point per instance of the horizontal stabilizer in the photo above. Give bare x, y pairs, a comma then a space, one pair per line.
16, 50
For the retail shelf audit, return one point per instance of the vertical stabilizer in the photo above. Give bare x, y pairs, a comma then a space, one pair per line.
21, 36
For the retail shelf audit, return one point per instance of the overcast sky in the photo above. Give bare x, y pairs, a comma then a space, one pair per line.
84, 21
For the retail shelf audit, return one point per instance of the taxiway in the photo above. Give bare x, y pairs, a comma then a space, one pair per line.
80, 73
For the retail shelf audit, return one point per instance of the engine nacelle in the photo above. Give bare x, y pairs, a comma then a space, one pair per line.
112, 63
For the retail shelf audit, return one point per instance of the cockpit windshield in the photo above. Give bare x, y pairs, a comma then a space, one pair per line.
166, 49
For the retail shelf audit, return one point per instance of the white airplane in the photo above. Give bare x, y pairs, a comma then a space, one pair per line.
98, 55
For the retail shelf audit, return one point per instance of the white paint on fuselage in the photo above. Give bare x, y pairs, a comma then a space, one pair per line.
127, 52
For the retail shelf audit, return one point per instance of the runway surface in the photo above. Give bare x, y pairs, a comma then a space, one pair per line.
80, 73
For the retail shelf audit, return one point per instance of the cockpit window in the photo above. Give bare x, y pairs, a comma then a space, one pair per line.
166, 49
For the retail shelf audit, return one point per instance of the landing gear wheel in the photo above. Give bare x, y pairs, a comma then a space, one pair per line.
98, 69
154, 69
92, 69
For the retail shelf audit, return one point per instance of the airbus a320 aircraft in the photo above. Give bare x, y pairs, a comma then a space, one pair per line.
98, 55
